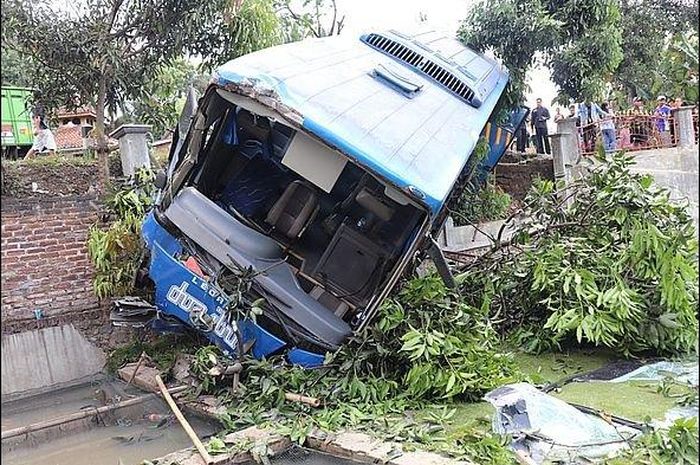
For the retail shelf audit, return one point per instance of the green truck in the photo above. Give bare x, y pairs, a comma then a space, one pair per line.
17, 131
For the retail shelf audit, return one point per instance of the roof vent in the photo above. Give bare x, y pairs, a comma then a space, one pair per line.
423, 64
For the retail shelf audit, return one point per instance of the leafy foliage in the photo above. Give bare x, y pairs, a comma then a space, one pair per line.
16, 69
447, 346
677, 445
116, 250
100, 53
647, 31
163, 96
440, 350
488, 203
516, 31
579, 40
163, 351
244, 27
309, 18
610, 262
680, 66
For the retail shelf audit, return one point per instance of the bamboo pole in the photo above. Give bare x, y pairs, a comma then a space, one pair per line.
183, 421
312, 401
80, 415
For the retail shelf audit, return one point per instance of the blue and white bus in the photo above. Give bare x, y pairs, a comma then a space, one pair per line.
308, 178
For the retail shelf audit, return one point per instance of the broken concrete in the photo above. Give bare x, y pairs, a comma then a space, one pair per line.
242, 442
366, 449
145, 376
358, 447
209, 406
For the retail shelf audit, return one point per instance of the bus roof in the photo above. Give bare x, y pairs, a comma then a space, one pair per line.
411, 109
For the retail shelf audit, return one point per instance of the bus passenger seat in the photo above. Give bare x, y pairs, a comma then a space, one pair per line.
293, 210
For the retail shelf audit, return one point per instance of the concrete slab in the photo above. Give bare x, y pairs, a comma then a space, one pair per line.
44, 359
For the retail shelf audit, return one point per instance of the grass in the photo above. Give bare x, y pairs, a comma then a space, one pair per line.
54, 160
163, 351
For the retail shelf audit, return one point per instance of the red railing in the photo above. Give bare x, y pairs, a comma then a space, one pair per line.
635, 132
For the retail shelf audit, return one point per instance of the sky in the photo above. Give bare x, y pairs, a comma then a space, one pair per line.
441, 15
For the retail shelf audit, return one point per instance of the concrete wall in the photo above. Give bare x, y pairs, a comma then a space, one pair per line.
45, 265
43, 359
675, 168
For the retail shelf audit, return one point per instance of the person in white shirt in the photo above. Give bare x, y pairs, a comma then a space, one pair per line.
607, 127
44, 141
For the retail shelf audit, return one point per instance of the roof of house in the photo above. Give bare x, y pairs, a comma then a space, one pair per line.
384, 108
78, 112
68, 137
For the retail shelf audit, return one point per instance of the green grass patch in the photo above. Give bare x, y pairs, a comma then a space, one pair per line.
637, 401
54, 160
551, 367
163, 351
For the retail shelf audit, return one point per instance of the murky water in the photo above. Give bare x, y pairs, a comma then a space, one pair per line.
303, 456
124, 437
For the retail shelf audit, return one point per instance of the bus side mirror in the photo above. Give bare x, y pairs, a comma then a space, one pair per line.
161, 179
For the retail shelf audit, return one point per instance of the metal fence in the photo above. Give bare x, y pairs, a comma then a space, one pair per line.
635, 132
632, 132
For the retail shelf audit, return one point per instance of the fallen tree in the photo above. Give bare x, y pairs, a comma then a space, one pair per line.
609, 261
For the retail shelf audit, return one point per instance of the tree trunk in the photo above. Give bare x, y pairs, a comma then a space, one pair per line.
102, 150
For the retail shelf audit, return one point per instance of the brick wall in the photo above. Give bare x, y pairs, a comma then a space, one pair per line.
44, 260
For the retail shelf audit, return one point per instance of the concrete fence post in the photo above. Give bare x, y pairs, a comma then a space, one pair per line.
565, 152
684, 125
133, 147
561, 173
565, 149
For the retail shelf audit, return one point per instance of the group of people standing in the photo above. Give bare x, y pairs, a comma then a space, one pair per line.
538, 122
594, 120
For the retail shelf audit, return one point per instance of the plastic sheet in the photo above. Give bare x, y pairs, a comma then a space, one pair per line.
683, 372
676, 413
547, 428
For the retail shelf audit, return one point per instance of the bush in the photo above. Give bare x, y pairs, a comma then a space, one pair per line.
615, 265
432, 343
488, 203
427, 345
115, 251
675, 445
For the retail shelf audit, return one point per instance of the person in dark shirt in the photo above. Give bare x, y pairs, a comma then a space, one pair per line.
540, 115
522, 137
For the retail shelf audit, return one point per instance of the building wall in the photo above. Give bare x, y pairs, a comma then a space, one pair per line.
45, 264
161, 150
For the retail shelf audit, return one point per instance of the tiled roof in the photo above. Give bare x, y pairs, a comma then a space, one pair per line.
81, 111
68, 137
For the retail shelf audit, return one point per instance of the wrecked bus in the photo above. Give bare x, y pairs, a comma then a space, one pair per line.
307, 179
